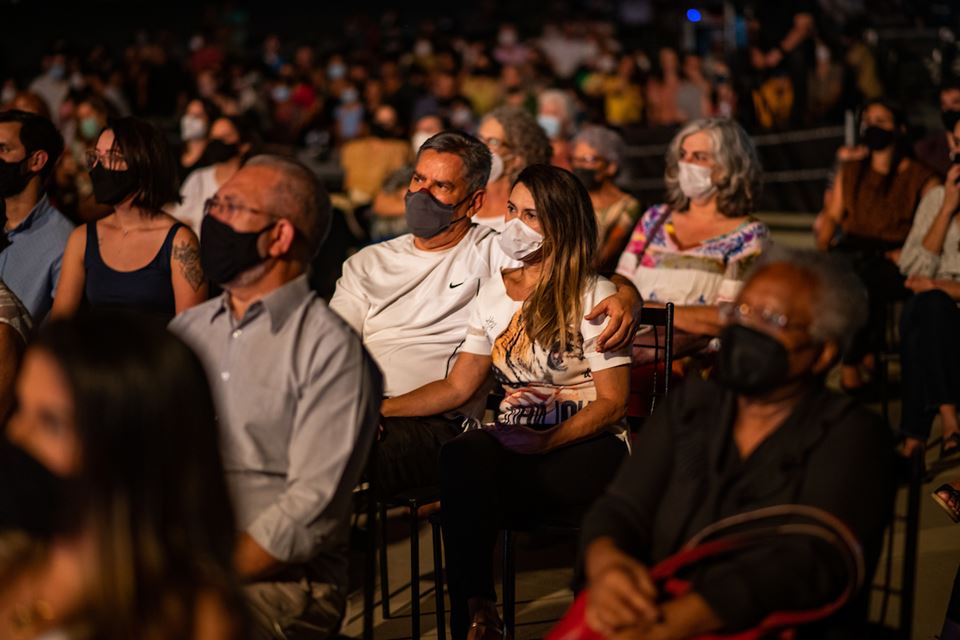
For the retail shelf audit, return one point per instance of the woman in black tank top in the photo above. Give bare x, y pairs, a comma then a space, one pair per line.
138, 257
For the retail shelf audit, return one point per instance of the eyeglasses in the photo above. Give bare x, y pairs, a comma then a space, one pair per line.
229, 209
494, 143
587, 160
738, 313
112, 159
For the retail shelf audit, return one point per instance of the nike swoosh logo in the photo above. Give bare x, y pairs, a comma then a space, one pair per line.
454, 286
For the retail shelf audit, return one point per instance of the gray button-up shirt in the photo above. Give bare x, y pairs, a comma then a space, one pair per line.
31, 264
298, 401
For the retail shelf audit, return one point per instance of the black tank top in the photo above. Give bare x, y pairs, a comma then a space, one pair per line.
148, 289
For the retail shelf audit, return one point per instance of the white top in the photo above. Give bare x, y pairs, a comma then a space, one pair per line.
496, 223
707, 273
200, 185
542, 387
411, 306
915, 259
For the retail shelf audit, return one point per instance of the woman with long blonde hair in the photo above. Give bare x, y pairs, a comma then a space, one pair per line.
564, 402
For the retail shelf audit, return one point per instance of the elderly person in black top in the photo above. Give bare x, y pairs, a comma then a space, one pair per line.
769, 434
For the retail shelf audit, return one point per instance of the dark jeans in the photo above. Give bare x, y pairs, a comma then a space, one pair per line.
884, 284
930, 360
485, 487
408, 452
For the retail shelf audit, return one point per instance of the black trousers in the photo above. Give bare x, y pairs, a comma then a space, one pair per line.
930, 360
884, 284
486, 487
407, 455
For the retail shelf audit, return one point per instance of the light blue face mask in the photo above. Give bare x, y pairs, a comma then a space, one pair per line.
89, 128
336, 71
550, 125
281, 93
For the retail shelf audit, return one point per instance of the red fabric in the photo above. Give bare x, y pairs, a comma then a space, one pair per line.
573, 626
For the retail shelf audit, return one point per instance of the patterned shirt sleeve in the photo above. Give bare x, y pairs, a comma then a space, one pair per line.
630, 259
749, 244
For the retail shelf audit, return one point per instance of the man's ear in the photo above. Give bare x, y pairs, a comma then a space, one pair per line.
38, 160
612, 170
281, 238
827, 358
476, 203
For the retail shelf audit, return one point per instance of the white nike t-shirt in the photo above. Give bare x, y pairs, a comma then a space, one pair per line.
411, 307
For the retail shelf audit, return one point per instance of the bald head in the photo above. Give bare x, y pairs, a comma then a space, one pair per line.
289, 189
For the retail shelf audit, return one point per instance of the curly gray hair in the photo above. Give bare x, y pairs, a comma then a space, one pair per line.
606, 142
523, 135
839, 299
737, 174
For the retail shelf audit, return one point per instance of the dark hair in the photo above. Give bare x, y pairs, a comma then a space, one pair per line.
950, 84
246, 133
151, 474
551, 314
37, 134
148, 155
901, 145
474, 154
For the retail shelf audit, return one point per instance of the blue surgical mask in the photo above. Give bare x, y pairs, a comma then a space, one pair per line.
281, 93
89, 128
550, 125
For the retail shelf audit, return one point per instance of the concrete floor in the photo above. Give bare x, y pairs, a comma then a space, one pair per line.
543, 573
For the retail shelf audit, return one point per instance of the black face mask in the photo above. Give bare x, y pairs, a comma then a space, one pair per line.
588, 177
112, 187
950, 118
751, 362
218, 151
427, 216
33, 499
226, 253
877, 139
13, 177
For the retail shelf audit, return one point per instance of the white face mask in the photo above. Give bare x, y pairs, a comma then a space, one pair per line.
695, 180
418, 138
192, 127
518, 240
496, 168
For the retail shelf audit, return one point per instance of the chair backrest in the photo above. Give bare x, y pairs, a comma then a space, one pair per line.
660, 340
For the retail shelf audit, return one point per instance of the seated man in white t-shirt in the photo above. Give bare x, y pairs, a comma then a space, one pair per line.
409, 298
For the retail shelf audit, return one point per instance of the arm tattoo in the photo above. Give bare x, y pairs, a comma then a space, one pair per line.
189, 258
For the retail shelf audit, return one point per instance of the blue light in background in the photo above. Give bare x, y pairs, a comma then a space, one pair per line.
693, 15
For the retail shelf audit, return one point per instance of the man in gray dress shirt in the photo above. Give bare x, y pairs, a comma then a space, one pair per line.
297, 396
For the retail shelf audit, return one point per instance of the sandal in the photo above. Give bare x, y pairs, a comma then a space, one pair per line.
953, 440
948, 497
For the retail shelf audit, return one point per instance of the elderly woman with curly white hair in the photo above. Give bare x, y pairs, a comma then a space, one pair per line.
695, 249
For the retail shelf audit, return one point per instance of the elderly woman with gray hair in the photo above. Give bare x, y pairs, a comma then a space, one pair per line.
768, 432
597, 156
694, 250
516, 140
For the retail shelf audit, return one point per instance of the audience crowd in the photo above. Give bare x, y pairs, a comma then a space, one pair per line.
234, 289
